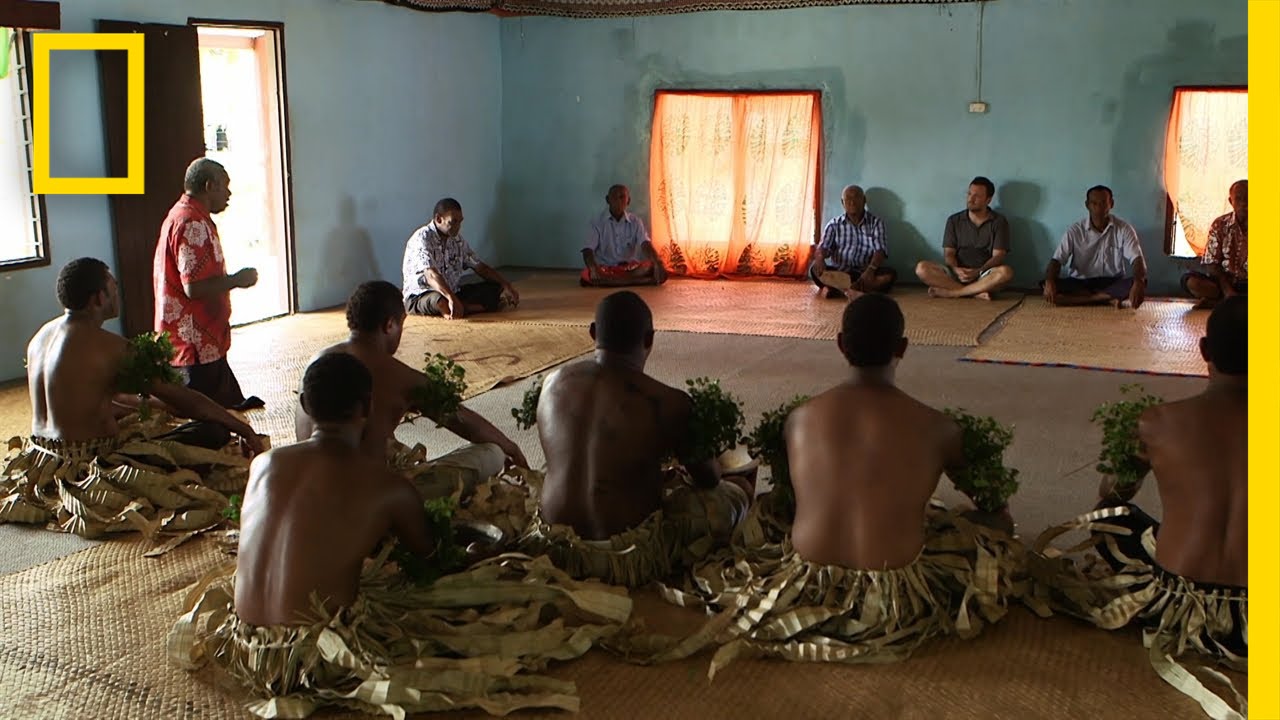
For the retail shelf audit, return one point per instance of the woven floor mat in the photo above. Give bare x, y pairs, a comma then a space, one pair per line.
269, 358
1161, 337
771, 308
82, 637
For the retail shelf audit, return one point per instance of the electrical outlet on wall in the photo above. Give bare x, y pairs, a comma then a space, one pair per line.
977, 107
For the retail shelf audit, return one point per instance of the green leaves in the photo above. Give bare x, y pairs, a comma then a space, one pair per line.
232, 510
527, 414
441, 395
716, 421
769, 443
446, 558
147, 361
1119, 420
984, 479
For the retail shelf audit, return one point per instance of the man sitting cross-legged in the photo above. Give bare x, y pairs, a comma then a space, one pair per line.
873, 566
606, 427
1184, 579
375, 317
618, 250
301, 619
92, 465
1102, 257
974, 246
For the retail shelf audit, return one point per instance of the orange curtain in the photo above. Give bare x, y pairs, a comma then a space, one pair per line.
734, 182
1206, 149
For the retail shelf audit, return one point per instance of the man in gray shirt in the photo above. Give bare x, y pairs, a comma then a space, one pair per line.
974, 246
1101, 256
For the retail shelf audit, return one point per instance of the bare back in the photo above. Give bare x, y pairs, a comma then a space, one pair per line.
392, 383
72, 368
1198, 449
864, 461
312, 513
605, 431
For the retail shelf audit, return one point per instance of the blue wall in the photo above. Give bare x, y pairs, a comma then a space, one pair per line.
1079, 93
390, 109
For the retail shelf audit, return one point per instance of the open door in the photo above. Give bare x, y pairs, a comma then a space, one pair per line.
174, 137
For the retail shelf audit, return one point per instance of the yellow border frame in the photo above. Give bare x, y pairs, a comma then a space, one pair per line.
1264, 344
134, 182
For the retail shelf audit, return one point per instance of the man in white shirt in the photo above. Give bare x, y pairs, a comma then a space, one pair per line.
1101, 256
618, 251
435, 260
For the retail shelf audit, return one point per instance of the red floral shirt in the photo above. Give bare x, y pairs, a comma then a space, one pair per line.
189, 251
1228, 246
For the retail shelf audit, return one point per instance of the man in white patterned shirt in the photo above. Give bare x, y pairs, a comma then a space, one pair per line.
1102, 257
435, 260
848, 261
1226, 255
618, 251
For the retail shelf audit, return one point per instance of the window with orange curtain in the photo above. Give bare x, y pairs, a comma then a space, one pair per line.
734, 182
1206, 150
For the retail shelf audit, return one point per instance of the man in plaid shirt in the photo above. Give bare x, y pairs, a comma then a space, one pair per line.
848, 261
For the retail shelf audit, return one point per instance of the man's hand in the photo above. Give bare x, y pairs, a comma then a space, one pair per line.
250, 440
515, 455
457, 308
967, 275
593, 275
867, 277
246, 278
1051, 291
1229, 290
510, 291
1137, 294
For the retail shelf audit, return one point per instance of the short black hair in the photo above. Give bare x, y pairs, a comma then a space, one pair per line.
335, 387
623, 321
1227, 336
446, 205
372, 304
200, 173
79, 280
984, 182
1100, 188
873, 328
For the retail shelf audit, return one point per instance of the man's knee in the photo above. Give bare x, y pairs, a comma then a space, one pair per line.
1002, 274
924, 268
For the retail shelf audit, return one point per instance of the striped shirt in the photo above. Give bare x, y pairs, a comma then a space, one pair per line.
846, 246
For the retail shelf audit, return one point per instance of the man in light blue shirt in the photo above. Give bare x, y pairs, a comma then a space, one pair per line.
618, 251
1101, 257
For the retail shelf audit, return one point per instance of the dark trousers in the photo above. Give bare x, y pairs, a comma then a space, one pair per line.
487, 294
1117, 287
214, 380
853, 274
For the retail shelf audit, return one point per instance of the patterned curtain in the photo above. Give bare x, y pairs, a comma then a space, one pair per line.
1206, 149
734, 182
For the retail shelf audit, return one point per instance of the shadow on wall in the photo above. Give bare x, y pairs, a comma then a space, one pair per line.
348, 251
1190, 57
907, 245
1031, 243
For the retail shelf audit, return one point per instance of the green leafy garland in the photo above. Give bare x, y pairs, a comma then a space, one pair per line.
716, 421
1118, 457
769, 443
447, 557
984, 478
527, 414
147, 361
441, 395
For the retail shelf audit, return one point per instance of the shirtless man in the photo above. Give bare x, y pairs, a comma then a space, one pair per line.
1205, 495
375, 316
862, 484
606, 427
306, 524
73, 365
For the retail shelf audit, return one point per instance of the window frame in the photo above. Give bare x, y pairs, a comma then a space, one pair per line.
1169, 240
24, 74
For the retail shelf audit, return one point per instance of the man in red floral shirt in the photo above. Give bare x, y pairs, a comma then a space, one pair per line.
193, 289
1226, 256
